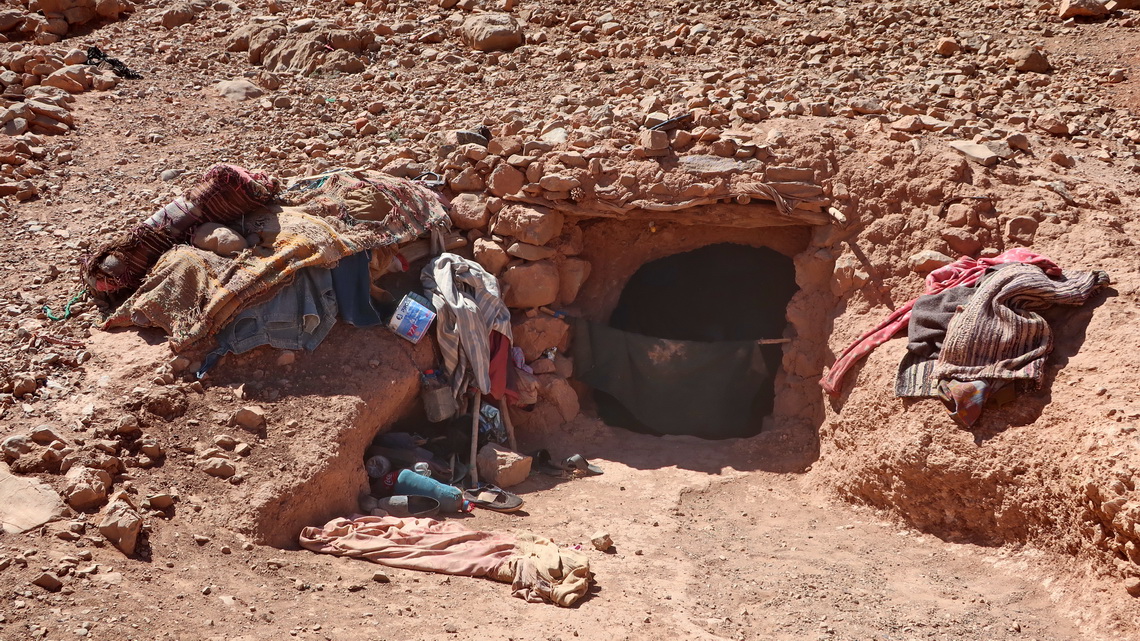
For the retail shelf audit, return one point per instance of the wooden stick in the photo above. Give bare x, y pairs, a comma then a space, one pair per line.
773, 341
475, 438
510, 427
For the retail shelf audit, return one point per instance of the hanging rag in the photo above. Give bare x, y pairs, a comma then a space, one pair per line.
468, 308
964, 271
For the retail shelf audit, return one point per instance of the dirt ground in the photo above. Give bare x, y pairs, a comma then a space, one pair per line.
860, 517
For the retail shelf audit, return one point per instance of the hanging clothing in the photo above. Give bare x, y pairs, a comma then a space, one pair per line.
964, 271
352, 283
468, 308
537, 569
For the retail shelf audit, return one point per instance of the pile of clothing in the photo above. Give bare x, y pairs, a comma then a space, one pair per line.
976, 337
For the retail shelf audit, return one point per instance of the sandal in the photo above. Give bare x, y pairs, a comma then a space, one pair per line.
405, 506
490, 497
577, 463
543, 463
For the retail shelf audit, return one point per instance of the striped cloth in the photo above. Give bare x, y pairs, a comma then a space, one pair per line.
224, 194
964, 271
193, 293
468, 308
999, 334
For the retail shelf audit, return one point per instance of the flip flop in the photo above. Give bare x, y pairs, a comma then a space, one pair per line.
405, 506
577, 463
542, 463
493, 498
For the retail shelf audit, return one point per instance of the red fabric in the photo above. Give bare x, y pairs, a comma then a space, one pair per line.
500, 347
964, 271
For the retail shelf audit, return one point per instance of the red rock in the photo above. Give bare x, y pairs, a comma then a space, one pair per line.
571, 274
530, 224
530, 284
538, 334
491, 255
492, 32
505, 180
469, 211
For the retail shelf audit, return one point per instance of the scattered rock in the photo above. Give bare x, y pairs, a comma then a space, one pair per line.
928, 260
962, 241
980, 154
947, 47
601, 540
161, 501
23, 383
238, 89
121, 523
250, 418
222, 468
48, 581
492, 32
176, 16
45, 434
86, 488
1030, 59
1062, 159
1021, 230
1052, 123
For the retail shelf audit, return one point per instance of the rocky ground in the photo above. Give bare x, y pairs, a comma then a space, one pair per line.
918, 131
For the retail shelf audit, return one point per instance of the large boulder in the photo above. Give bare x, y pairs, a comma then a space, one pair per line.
505, 180
492, 32
72, 78
571, 274
491, 256
1074, 8
469, 211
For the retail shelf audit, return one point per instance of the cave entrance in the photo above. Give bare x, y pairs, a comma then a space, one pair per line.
680, 354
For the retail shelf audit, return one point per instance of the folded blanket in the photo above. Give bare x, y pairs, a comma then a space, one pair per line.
537, 569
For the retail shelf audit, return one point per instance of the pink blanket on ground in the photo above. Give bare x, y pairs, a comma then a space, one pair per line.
537, 568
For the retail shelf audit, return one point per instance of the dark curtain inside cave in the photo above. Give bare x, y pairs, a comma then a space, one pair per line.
679, 354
